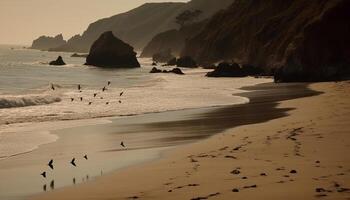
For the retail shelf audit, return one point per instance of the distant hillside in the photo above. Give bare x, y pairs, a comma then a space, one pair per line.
173, 39
138, 26
46, 43
301, 40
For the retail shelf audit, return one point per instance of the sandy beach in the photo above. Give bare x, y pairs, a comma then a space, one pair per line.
301, 154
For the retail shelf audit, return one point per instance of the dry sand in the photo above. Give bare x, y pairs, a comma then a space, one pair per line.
257, 159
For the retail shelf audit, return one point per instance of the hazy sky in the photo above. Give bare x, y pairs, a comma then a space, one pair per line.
23, 20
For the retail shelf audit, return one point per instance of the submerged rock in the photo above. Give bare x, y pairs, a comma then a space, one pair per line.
109, 51
58, 61
79, 55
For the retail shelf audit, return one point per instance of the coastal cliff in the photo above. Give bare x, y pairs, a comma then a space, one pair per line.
299, 40
45, 42
133, 28
173, 39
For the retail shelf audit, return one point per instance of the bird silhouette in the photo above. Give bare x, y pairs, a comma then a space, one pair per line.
90, 103
79, 86
120, 101
85, 157
44, 187
71, 99
73, 162
43, 174
107, 103
101, 97
50, 164
52, 184
52, 87
81, 98
122, 144
95, 94
104, 88
109, 82
74, 181
121, 93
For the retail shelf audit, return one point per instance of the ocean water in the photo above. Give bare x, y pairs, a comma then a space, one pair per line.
26, 96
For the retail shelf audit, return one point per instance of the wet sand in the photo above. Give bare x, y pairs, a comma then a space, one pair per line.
295, 147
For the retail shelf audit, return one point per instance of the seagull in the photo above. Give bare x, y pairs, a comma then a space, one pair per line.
44, 187
43, 174
73, 162
90, 103
79, 87
101, 97
121, 93
95, 94
109, 82
85, 157
107, 103
120, 101
122, 144
104, 88
81, 98
50, 164
73, 180
71, 99
52, 184
52, 87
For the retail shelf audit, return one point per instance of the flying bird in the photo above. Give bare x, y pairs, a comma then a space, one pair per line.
122, 144
43, 174
71, 99
81, 98
85, 157
73, 162
107, 103
79, 87
90, 103
52, 87
104, 88
120, 101
121, 93
50, 164
52, 184
95, 94
109, 82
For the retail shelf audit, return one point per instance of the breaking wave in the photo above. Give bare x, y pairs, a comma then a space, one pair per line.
22, 101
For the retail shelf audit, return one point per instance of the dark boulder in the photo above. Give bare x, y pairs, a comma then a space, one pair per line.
109, 51
58, 61
177, 71
163, 56
155, 70
186, 61
154, 64
225, 69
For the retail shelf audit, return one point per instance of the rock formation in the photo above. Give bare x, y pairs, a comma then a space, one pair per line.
225, 69
58, 61
299, 40
109, 51
45, 43
138, 26
174, 70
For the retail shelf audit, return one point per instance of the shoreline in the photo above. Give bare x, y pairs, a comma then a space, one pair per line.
95, 186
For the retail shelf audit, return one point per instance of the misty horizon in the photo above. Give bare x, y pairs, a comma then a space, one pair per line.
22, 22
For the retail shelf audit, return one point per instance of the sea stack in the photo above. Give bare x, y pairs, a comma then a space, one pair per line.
58, 61
109, 51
